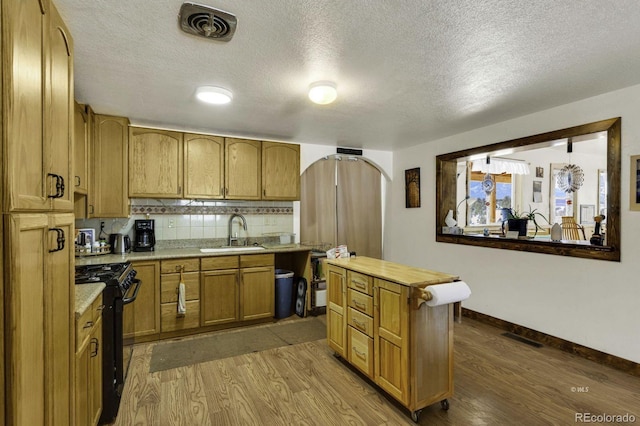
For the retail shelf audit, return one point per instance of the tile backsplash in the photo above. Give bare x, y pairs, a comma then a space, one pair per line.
201, 220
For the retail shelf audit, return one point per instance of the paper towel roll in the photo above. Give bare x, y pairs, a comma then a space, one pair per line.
443, 294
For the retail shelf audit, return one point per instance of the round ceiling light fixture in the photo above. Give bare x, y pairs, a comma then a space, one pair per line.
214, 95
323, 92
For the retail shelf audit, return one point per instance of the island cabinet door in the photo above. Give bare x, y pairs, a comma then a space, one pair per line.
336, 312
391, 338
219, 296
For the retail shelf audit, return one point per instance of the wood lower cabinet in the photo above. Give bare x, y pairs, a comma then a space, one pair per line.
391, 340
336, 309
403, 345
142, 317
88, 369
360, 328
220, 296
173, 272
38, 290
237, 288
155, 163
108, 188
258, 292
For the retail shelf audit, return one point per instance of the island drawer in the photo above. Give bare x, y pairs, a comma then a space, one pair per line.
360, 321
360, 351
361, 302
174, 265
360, 282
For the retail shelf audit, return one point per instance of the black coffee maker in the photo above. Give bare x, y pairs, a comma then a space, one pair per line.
145, 239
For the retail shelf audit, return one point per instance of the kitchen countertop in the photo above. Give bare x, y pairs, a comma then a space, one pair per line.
395, 272
177, 253
85, 296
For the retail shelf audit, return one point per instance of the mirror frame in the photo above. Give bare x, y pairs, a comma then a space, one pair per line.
446, 169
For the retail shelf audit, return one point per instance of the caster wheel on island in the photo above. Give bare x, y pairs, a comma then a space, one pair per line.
444, 404
415, 415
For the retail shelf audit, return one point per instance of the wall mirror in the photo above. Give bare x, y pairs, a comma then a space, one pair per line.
570, 177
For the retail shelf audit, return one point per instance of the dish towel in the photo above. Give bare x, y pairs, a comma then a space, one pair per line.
182, 305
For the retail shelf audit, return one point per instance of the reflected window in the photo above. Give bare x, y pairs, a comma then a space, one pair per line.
562, 203
602, 192
485, 206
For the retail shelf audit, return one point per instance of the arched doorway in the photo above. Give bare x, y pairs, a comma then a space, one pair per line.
341, 203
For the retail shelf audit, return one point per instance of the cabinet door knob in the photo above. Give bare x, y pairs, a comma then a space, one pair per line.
77, 180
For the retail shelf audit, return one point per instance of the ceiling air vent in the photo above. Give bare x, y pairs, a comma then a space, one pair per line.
206, 21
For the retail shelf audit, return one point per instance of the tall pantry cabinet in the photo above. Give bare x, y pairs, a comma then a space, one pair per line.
37, 216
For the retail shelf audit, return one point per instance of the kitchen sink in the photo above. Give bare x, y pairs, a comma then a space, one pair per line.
231, 249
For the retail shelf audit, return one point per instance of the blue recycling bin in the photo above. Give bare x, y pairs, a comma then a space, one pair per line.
284, 293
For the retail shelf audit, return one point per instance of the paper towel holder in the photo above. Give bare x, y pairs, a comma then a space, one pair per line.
424, 296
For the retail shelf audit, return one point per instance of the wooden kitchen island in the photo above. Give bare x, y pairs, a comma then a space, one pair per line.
379, 323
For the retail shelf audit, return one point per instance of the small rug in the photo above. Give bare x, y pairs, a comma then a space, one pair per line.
194, 350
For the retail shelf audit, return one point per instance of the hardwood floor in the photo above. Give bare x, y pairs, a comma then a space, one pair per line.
498, 381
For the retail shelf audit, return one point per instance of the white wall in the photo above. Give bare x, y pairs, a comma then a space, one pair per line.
590, 302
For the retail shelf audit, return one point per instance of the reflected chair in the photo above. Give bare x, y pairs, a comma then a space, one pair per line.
572, 230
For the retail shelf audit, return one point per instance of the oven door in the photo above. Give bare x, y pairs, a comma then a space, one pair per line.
125, 350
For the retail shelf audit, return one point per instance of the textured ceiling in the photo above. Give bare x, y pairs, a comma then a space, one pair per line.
407, 71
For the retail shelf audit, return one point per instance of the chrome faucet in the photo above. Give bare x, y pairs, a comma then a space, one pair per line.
233, 239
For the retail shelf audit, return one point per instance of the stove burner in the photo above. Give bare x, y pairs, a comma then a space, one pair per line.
109, 273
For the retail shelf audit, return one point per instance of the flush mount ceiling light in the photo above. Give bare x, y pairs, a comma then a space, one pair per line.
214, 95
323, 92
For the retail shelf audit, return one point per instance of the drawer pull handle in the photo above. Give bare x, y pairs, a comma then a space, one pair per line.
100, 308
88, 324
360, 354
360, 325
359, 284
94, 352
359, 305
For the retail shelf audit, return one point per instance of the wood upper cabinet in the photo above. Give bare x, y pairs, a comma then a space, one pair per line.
59, 114
242, 165
39, 330
81, 149
108, 193
37, 53
336, 309
164, 164
391, 339
280, 171
155, 163
142, 317
203, 166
